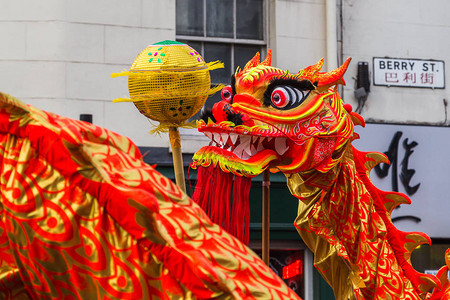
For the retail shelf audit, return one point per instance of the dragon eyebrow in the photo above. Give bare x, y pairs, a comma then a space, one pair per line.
304, 85
233, 86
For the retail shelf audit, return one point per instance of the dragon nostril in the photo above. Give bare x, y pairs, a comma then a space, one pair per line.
223, 111
235, 117
232, 115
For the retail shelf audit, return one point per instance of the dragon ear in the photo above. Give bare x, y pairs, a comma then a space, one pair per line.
333, 77
253, 62
356, 118
268, 61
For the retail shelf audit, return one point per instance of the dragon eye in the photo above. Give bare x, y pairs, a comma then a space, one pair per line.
280, 98
227, 93
286, 97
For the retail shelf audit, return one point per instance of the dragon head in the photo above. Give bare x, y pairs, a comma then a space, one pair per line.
270, 118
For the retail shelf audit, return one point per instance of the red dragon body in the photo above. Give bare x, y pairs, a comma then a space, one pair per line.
83, 217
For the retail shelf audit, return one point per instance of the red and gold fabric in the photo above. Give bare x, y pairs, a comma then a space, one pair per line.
83, 217
442, 291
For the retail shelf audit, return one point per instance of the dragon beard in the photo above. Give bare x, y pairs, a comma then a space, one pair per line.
225, 198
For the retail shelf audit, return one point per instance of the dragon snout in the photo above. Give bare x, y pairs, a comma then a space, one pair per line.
223, 111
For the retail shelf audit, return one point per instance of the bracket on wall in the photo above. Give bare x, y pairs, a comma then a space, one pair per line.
362, 85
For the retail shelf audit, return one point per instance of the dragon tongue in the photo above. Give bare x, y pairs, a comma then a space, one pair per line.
253, 150
260, 147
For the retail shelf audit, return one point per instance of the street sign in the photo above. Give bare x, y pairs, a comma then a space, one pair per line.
409, 72
431, 272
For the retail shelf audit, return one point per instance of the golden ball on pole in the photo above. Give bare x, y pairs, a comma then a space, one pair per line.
169, 82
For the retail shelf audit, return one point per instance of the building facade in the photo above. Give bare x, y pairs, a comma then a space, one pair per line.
59, 55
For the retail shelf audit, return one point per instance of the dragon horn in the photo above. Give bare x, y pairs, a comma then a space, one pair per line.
333, 76
253, 62
268, 61
310, 72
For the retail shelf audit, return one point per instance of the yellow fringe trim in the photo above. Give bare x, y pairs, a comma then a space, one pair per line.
209, 66
165, 127
209, 92
213, 65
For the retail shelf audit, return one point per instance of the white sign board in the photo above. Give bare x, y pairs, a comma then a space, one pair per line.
431, 272
420, 168
409, 72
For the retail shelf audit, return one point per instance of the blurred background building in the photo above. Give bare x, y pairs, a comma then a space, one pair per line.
58, 56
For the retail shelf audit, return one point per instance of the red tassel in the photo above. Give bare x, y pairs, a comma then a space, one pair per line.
222, 199
213, 194
201, 192
240, 218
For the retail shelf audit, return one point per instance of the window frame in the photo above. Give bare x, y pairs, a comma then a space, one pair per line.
194, 139
231, 41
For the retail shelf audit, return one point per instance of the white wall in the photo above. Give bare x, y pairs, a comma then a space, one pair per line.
401, 29
297, 33
59, 55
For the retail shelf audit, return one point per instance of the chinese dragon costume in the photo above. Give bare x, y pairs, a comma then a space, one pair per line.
297, 124
83, 217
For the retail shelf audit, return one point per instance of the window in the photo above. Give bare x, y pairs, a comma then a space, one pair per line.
231, 31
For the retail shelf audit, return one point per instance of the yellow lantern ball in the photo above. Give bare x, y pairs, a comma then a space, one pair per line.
169, 82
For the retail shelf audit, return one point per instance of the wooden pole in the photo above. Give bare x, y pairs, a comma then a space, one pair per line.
175, 143
266, 216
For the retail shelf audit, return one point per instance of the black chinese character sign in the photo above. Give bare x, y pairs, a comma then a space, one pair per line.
421, 171
406, 174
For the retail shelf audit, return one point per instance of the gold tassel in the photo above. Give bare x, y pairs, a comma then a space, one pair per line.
213, 65
164, 127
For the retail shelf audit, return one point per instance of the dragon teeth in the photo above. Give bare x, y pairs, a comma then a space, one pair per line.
216, 137
247, 145
280, 146
208, 134
233, 138
224, 137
